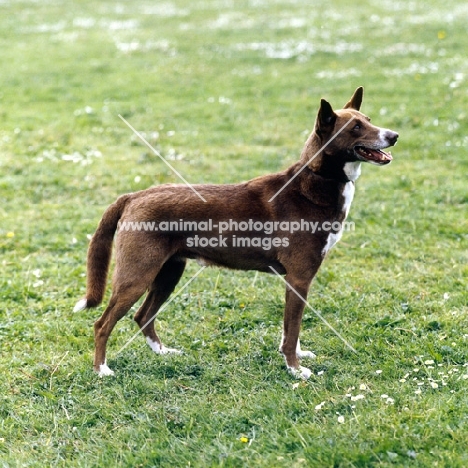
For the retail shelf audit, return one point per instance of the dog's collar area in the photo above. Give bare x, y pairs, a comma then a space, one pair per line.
339, 175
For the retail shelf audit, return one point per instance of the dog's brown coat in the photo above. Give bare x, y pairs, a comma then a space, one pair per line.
311, 189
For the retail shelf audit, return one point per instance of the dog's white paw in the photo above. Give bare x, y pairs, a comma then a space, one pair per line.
80, 305
305, 354
165, 350
105, 371
300, 373
159, 348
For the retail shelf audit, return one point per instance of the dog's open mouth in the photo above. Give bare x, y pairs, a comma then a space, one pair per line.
372, 155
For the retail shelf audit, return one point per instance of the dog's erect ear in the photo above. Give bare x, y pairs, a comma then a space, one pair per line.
326, 117
356, 101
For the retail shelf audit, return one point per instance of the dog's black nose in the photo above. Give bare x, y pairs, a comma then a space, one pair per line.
391, 137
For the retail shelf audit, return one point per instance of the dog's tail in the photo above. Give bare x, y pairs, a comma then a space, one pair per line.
99, 255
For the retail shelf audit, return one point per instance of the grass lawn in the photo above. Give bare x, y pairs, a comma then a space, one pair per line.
226, 91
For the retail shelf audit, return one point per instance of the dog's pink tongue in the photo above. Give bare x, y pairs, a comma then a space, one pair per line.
380, 155
375, 155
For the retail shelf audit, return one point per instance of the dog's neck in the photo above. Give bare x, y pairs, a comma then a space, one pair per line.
319, 190
314, 155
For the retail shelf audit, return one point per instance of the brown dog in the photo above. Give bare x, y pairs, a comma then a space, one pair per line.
257, 218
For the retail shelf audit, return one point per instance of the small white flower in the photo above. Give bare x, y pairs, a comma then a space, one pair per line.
357, 397
434, 385
363, 387
402, 380
319, 406
384, 396
418, 391
341, 419
428, 362
378, 371
320, 372
390, 401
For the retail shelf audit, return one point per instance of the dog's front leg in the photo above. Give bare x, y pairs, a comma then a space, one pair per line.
296, 295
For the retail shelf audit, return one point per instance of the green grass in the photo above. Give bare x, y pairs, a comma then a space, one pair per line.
228, 91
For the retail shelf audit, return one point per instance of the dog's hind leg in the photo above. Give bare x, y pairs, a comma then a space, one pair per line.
120, 303
130, 281
159, 291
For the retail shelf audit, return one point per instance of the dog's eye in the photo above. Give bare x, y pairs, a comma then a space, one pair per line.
357, 127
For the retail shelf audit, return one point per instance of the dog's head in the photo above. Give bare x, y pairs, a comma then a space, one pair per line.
347, 135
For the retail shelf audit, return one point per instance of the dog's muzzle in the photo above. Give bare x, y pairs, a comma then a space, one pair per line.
372, 155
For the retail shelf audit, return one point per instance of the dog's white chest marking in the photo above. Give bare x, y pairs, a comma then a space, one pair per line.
332, 239
348, 195
352, 170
